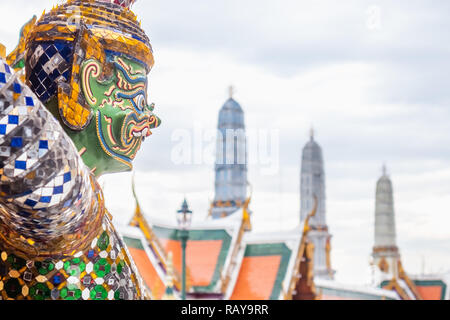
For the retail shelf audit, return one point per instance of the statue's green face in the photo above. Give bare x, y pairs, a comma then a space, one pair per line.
122, 117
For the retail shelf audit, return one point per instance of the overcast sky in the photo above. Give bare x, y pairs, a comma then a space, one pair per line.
372, 77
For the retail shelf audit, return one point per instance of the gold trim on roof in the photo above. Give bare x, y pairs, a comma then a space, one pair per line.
140, 222
246, 226
412, 286
304, 249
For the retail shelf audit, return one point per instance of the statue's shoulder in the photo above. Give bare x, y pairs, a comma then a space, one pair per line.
17, 99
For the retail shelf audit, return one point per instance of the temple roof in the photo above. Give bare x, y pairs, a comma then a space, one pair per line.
223, 260
209, 250
332, 290
419, 287
432, 288
266, 263
150, 268
402, 284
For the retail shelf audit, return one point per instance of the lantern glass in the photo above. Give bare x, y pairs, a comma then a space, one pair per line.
184, 216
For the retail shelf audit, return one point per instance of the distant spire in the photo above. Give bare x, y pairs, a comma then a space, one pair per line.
313, 205
231, 91
385, 251
231, 159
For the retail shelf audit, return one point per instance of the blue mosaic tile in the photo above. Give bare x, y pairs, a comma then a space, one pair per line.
12, 119
17, 88
43, 144
29, 101
45, 199
16, 142
21, 165
58, 190
67, 177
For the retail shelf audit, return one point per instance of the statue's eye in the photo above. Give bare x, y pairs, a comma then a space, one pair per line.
140, 102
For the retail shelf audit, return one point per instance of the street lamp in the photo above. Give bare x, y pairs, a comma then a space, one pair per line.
184, 219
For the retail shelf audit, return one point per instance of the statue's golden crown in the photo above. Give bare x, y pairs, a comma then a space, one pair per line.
123, 3
111, 22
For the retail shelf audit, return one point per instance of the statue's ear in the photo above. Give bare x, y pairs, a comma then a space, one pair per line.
90, 71
75, 98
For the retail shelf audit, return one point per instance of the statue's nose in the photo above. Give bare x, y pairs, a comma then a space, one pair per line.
154, 121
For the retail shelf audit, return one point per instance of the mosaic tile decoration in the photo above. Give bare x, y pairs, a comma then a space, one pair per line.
101, 272
123, 3
47, 192
51, 209
51, 63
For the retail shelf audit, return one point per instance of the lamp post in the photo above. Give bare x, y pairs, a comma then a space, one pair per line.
184, 218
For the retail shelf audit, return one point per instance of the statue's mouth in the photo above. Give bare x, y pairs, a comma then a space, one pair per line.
141, 131
138, 127
135, 129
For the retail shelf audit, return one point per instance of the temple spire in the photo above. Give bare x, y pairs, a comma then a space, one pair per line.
312, 193
231, 160
385, 251
385, 254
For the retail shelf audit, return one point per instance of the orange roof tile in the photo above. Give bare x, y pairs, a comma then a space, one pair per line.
430, 292
431, 289
206, 256
201, 258
249, 285
148, 272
